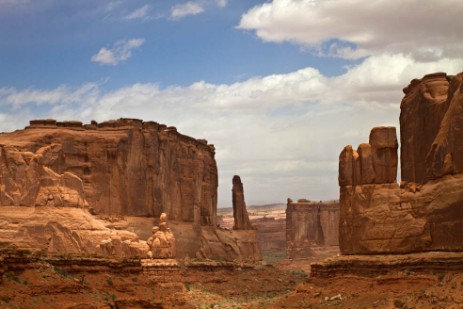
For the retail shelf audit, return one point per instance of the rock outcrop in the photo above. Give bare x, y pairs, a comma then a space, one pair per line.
55, 230
162, 243
424, 213
312, 229
125, 167
90, 188
240, 214
372, 163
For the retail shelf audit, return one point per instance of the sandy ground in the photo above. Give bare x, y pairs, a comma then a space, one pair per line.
285, 284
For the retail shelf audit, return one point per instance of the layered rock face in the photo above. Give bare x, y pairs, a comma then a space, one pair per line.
122, 167
426, 212
99, 189
312, 229
240, 214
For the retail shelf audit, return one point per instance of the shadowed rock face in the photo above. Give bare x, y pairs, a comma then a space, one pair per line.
312, 229
425, 213
123, 167
422, 110
240, 214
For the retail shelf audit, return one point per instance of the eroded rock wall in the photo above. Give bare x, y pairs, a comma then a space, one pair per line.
424, 213
312, 229
126, 167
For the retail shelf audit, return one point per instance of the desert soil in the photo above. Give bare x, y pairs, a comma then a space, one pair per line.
285, 284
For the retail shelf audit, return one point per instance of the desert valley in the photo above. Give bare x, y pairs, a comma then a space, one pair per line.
123, 214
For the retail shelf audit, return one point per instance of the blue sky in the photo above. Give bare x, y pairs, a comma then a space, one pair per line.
278, 86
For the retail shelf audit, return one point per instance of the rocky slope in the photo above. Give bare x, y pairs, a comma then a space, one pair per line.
424, 213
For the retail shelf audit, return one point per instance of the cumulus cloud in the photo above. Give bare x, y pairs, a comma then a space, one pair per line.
119, 52
282, 133
181, 10
139, 13
426, 29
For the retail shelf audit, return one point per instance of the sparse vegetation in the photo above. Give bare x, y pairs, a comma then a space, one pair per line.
440, 277
11, 276
62, 272
299, 274
271, 257
284, 284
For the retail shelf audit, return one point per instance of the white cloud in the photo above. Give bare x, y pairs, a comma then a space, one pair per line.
112, 5
282, 133
426, 29
189, 8
121, 51
222, 3
139, 13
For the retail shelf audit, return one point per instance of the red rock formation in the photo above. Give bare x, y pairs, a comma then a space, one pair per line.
96, 189
126, 166
422, 111
312, 229
240, 214
375, 162
426, 212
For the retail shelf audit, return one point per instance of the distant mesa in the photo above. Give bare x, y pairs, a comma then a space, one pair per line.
312, 229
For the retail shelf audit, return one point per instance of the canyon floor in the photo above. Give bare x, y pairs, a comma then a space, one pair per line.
285, 284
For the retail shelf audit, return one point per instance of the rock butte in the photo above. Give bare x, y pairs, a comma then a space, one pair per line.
68, 187
424, 213
240, 214
312, 229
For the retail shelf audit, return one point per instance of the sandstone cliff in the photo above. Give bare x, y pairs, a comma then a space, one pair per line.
122, 167
426, 212
312, 229
111, 174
